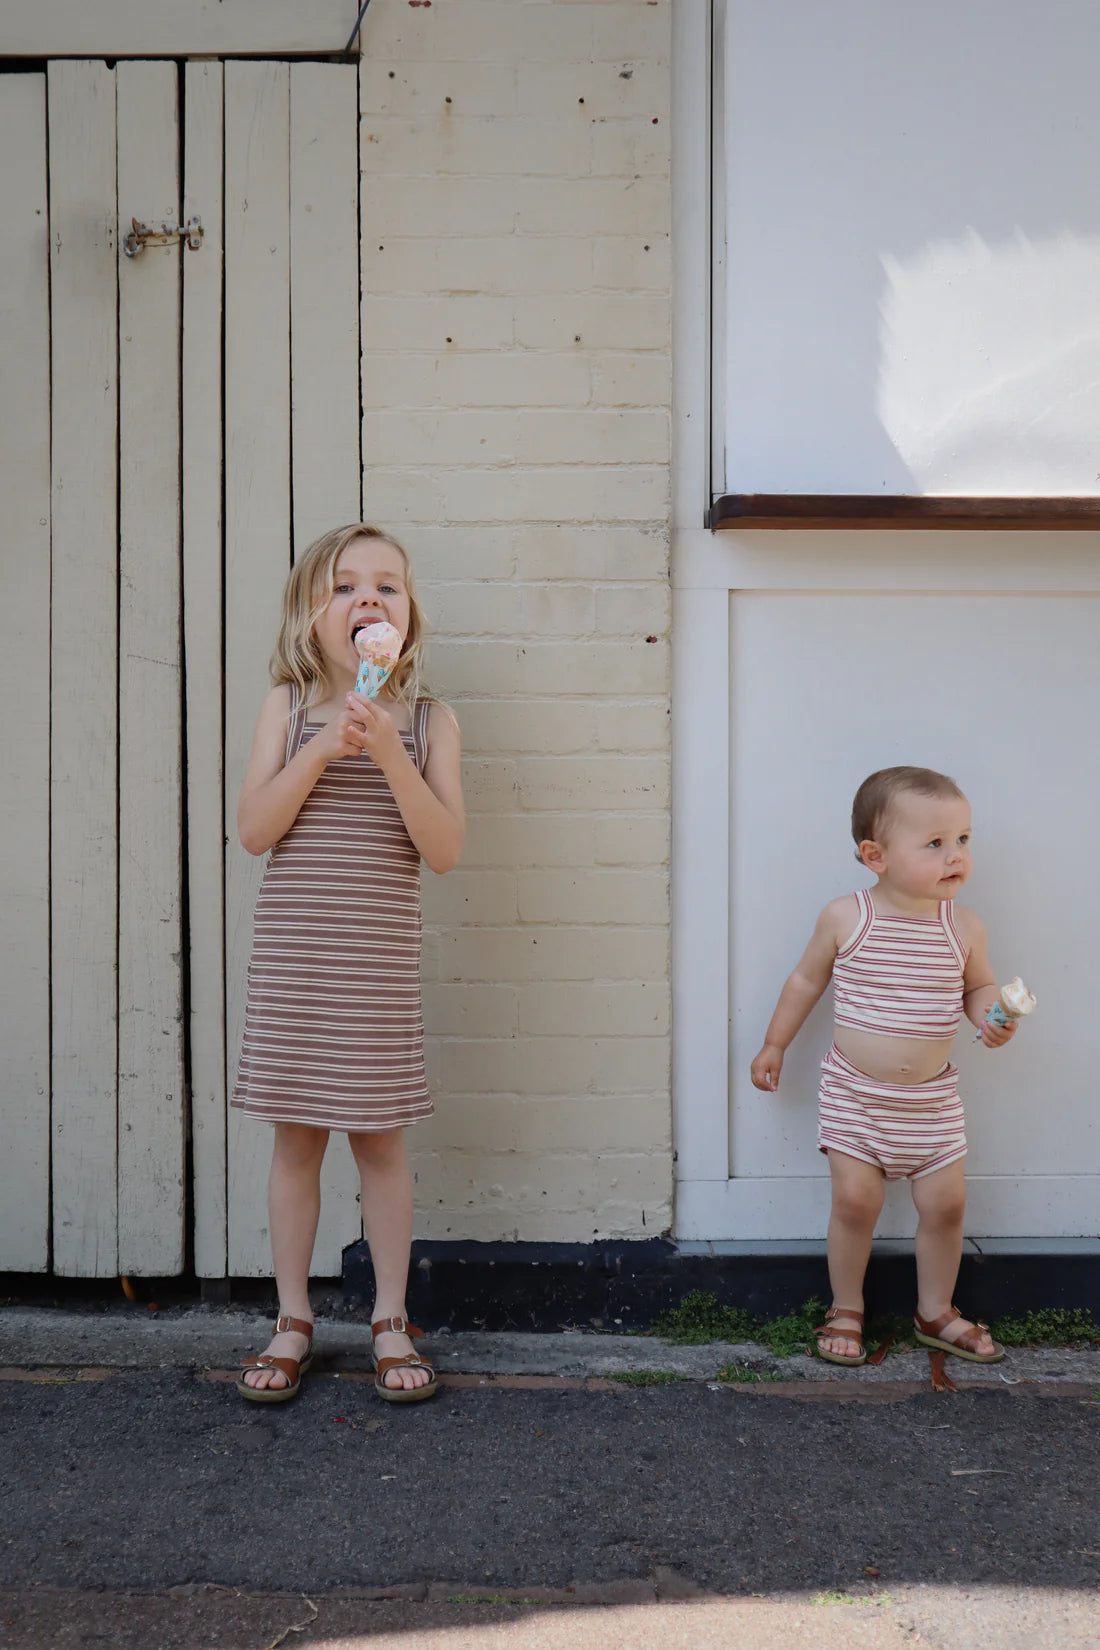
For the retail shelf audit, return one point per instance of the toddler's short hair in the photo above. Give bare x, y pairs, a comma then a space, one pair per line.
879, 791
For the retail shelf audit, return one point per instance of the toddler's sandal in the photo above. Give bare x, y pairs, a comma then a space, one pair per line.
292, 1368
411, 1360
929, 1332
830, 1329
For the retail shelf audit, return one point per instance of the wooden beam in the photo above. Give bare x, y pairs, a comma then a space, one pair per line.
176, 28
848, 510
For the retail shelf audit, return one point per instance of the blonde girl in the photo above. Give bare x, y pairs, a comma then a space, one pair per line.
346, 797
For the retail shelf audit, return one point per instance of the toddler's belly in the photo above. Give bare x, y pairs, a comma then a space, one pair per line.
893, 1059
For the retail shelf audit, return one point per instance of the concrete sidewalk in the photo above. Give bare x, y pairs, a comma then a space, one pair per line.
135, 1337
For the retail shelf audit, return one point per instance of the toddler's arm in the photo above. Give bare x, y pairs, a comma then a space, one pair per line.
803, 989
980, 988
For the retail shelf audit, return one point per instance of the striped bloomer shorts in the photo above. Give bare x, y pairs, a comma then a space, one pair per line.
905, 1129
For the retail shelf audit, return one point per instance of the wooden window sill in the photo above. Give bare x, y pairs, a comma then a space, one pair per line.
779, 511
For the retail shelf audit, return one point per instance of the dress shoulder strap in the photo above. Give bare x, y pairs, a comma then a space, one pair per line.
422, 709
295, 723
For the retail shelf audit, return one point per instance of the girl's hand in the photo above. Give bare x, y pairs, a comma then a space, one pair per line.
766, 1068
341, 737
376, 730
995, 1036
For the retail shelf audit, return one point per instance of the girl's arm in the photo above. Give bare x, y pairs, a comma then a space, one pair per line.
980, 988
804, 989
431, 805
274, 790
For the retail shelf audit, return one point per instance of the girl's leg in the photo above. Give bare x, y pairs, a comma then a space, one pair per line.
858, 1192
387, 1220
293, 1205
940, 1198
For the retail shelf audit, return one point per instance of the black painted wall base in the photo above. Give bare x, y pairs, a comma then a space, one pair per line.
627, 1285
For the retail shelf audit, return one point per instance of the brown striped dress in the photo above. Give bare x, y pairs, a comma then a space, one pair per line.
334, 1035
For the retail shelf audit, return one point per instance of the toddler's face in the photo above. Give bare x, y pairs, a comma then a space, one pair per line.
368, 586
925, 846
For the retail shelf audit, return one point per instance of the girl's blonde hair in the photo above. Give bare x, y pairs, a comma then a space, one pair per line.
298, 659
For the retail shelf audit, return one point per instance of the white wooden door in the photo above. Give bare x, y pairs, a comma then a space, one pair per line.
828, 656
115, 432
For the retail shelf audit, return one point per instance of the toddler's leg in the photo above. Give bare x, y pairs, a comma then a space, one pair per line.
294, 1207
858, 1191
940, 1198
387, 1219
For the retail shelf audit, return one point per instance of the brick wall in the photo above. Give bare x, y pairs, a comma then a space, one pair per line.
515, 217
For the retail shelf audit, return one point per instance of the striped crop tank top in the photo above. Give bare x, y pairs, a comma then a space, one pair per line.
901, 976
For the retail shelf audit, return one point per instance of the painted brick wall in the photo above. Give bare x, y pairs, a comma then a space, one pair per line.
515, 221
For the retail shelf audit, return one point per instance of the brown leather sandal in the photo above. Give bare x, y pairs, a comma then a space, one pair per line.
831, 1328
292, 1368
930, 1332
411, 1360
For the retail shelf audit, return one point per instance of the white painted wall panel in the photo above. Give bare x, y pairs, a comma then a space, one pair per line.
25, 678
825, 688
150, 981
912, 248
84, 666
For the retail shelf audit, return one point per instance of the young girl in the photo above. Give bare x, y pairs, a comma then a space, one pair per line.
349, 796
906, 962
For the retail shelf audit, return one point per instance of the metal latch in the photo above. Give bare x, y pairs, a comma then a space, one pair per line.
168, 234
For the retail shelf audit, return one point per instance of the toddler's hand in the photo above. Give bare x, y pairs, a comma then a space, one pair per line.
766, 1068
995, 1036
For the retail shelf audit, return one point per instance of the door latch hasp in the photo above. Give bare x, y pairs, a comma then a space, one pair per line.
142, 235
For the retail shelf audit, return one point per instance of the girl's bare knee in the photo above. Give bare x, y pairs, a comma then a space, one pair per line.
377, 1146
299, 1145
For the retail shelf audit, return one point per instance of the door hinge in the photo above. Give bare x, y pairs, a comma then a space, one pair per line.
142, 235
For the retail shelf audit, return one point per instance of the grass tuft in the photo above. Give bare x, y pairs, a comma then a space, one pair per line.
1071, 1326
747, 1374
793, 1333
700, 1319
645, 1377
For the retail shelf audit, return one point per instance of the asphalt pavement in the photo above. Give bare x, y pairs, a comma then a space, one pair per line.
539, 1502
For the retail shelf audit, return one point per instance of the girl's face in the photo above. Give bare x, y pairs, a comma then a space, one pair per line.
368, 586
924, 848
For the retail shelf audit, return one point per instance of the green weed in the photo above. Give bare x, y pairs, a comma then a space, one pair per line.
793, 1333
645, 1377
700, 1319
745, 1374
849, 1598
1049, 1326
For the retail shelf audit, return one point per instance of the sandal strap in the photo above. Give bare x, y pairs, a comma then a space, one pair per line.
969, 1340
300, 1326
286, 1366
396, 1326
835, 1312
413, 1361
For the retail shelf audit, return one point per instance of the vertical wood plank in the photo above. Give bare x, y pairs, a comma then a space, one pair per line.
325, 415
150, 1042
83, 694
324, 296
25, 678
257, 541
202, 621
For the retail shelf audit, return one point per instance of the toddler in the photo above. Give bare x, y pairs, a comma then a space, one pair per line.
906, 963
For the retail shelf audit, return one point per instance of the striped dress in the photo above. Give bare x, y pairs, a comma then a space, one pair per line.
334, 1035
